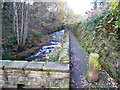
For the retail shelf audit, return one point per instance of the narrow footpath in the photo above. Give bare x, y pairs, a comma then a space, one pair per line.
78, 63
78, 66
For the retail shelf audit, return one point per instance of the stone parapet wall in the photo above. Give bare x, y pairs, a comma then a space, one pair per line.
33, 74
64, 56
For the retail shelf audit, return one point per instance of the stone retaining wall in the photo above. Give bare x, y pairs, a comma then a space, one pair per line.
33, 74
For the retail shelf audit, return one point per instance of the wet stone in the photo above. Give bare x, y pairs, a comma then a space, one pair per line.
53, 66
16, 65
35, 65
4, 62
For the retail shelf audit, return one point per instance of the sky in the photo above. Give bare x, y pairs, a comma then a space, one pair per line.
79, 6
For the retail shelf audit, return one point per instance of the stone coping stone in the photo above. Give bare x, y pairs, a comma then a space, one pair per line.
16, 65
53, 66
4, 62
43, 66
35, 66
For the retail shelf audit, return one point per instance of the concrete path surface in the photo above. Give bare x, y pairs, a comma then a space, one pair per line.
78, 63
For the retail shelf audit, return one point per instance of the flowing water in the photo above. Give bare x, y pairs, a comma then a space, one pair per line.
54, 43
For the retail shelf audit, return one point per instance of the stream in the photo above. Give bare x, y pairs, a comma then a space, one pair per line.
48, 49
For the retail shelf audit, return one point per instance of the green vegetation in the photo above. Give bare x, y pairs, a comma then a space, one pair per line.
26, 26
100, 34
34, 38
53, 58
10, 44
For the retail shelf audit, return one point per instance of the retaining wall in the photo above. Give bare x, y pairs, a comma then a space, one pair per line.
33, 74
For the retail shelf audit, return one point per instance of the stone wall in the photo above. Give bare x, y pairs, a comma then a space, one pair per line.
65, 51
14, 74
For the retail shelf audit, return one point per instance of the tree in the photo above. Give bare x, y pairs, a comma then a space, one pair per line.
95, 2
1, 6
47, 16
20, 22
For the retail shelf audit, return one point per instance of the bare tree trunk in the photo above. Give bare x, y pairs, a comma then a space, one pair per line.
1, 6
26, 24
22, 23
14, 20
16, 23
